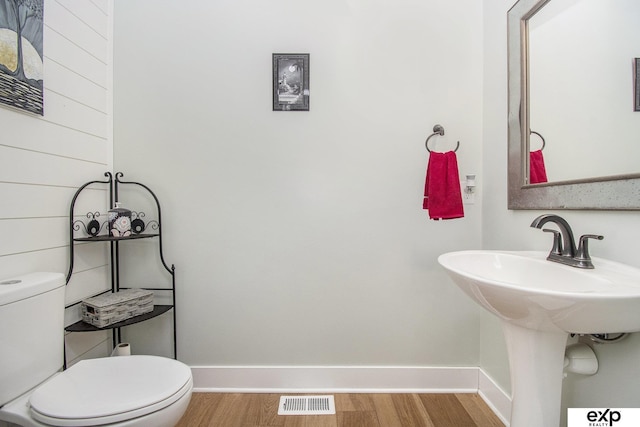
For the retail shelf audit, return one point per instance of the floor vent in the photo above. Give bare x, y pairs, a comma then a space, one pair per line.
306, 405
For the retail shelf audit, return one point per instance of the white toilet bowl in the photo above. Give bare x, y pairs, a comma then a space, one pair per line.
116, 391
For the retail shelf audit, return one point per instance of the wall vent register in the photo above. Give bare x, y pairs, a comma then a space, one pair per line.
307, 405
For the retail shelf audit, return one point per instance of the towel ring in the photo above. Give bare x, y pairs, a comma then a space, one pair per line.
438, 130
541, 137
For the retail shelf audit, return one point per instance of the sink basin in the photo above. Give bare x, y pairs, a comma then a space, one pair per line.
540, 302
527, 290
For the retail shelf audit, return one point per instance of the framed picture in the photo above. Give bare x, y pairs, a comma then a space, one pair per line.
21, 65
636, 84
290, 82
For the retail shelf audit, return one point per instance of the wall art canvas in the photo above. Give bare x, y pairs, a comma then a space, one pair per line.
290, 82
636, 84
21, 54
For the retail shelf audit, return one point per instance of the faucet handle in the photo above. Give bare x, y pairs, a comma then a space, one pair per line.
583, 248
557, 241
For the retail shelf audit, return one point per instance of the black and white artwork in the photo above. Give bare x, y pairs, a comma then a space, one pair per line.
21, 53
290, 82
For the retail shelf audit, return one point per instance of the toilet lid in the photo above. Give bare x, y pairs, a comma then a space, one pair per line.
108, 390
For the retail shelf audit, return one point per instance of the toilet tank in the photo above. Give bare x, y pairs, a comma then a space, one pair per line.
31, 331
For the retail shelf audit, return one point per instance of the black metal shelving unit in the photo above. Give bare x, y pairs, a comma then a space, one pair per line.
91, 229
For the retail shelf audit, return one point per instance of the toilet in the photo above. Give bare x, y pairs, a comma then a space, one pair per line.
123, 391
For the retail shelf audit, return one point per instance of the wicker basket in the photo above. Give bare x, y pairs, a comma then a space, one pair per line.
107, 309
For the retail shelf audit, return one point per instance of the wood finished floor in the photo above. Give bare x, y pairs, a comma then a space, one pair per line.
352, 410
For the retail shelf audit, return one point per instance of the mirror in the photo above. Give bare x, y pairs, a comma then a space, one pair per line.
580, 103
580, 87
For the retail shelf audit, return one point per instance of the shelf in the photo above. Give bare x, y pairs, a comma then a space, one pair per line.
83, 229
113, 239
85, 327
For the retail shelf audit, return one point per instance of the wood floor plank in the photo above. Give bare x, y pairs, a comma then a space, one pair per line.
386, 411
411, 411
358, 419
201, 409
353, 402
231, 411
352, 410
310, 421
446, 410
263, 410
479, 411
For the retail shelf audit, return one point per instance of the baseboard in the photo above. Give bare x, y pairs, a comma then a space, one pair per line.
347, 379
494, 397
352, 379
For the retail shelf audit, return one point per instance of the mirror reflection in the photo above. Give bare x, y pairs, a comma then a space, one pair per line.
573, 168
581, 89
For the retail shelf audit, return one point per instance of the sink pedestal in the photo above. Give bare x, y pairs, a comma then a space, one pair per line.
540, 303
536, 360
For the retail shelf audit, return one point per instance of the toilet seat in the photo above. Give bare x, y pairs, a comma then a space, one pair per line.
109, 390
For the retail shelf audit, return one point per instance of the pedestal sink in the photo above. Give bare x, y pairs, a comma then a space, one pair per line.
540, 304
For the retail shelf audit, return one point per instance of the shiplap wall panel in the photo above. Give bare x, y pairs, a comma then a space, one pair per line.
93, 199
51, 260
71, 85
28, 167
44, 159
67, 54
100, 350
94, 17
89, 256
88, 282
90, 201
35, 134
70, 113
79, 344
29, 234
29, 201
103, 5
63, 21
38, 200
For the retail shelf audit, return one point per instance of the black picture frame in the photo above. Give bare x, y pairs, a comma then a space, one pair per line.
636, 84
291, 82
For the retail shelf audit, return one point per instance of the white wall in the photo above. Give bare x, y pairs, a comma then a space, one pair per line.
44, 159
615, 384
298, 237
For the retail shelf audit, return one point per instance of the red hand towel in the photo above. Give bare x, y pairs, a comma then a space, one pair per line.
537, 171
442, 195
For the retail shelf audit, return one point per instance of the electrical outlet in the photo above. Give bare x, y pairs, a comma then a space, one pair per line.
468, 198
468, 188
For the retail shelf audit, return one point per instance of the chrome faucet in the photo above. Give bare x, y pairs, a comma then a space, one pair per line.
564, 247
